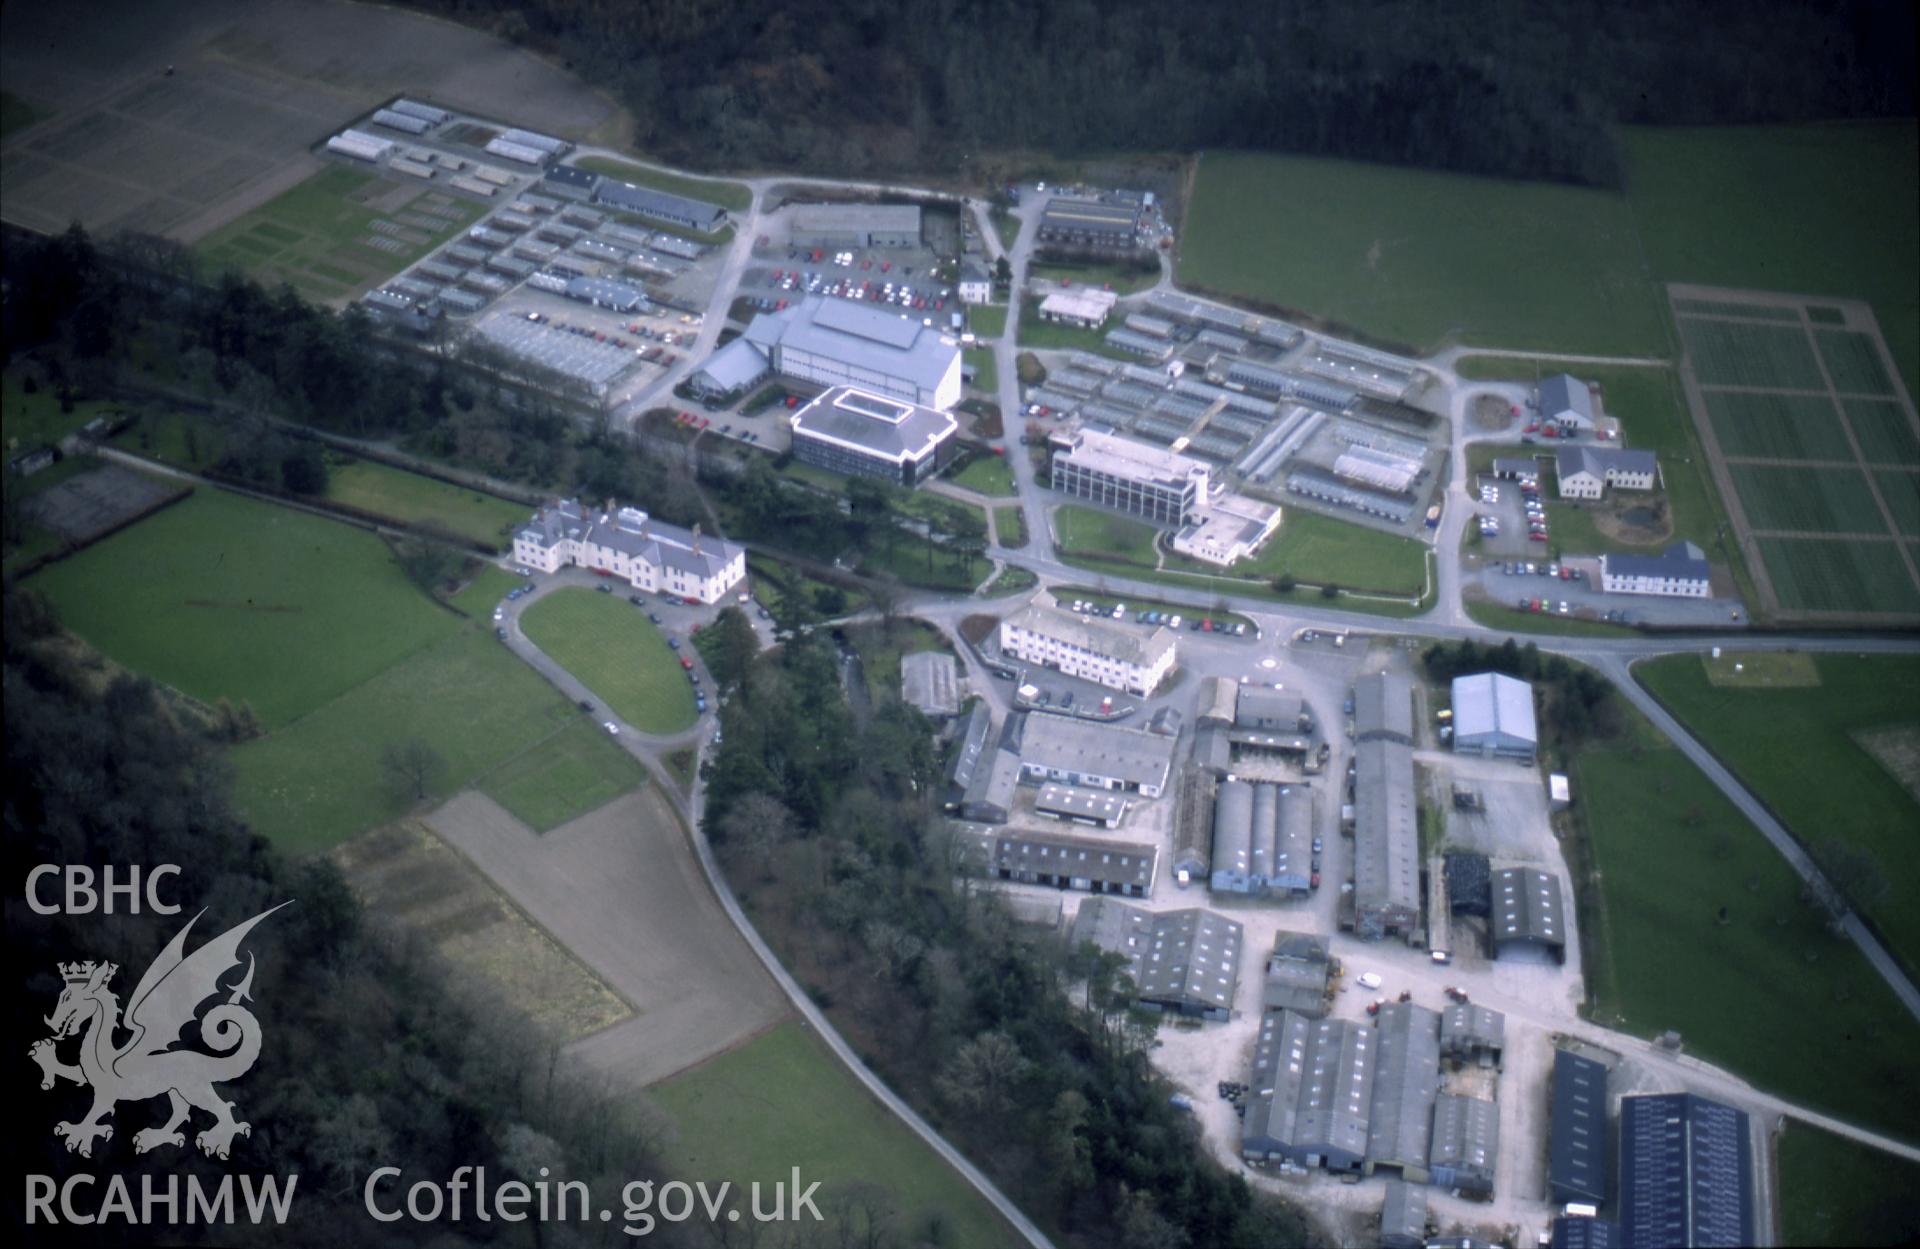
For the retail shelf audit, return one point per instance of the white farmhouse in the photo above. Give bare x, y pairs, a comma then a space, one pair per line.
627, 543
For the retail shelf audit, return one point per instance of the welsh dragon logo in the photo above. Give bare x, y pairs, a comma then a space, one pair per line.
147, 1065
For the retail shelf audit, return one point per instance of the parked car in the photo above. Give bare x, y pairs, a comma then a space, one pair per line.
604, 589
612, 728
1369, 980
501, 634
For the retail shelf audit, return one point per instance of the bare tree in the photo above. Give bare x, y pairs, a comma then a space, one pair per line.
983, 1073
412, 765
755, 826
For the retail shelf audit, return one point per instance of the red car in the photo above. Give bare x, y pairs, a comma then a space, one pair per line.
1536, 537
686, 663
886, 266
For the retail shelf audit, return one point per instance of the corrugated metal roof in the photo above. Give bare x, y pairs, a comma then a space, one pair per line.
1490, 705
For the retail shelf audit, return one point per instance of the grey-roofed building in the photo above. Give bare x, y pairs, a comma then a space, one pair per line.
1493, 715
1064, 861
626, 542
1129, 476
1290, 865
1101, 808
659, 206
1585, 472
1527, 910
1566, 401
1469, 884
1219, 700
1583, 1231
1166, 721
401, 121
539, 142
1116, 927
601, 293
855, 225
974, 283
973, 754
732, 369
1298, 971
1577, 1130
1272, 711
1681, 571
1192, 964
862, 434
1383, 708
1311, 1092
1406, 1080
1193, 828
1095, 755
1213, 749
1466, 1144
1090, 223
1472, 1033
1260, 843
426, 112
570, 181
1403, 1216
1145, 346
1386, 843
930, 681
989, 798
1233, 838
1516, 468
1110, 654
835, 342
1686, 1171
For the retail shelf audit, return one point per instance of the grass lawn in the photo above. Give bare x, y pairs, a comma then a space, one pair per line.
1419, 258
1320, 550
1118, 278
987, 474
484, 592
189, 440
1770, 993
732, 196
16, 114
577, 770
1006, 226
28, 421
756, 1111
317, 235
1794, 747
320, 779
615, 651
223, 597
880, 651
1755, 207
1010, 525
987, 320
1013, 579
1834, 1191
986, 374
415, 500
1094, 532
1055, 336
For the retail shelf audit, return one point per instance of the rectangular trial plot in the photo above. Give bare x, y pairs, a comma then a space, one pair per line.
1853, 362
1832, 575
1777, 427
1814, 500
1885, 432
1733, 353
1901, 489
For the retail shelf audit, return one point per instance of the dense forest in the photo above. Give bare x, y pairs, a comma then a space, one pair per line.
1482, 86
368, 1059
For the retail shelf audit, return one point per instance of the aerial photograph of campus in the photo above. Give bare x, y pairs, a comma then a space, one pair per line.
962, 624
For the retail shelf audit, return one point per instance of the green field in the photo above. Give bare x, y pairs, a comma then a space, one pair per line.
611, 647
1886, 434
1013, 579
988, 475
1320, 550
1092, 532
577, 770
1820, 500
1010, 524
1832, 574
1902, 489
987, 321
1770, 993
1823, 210
1117, 278
1853, 362
1733, 353
781, 1100
223, 597
1419, 258
1779, 427
732, 196
986, 374
189, 440
487, 588
318, 235
1838, 1192
415, 500
1745, 727
321, 779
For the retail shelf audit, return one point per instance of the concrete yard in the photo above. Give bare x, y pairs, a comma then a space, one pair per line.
621, 889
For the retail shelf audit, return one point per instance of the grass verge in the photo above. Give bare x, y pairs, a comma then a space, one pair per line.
614, 650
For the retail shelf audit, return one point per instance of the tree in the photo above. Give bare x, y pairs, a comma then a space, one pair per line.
731, 647
983, 1073
1853, 871
304, 469
412, 766
755, 825
428, 565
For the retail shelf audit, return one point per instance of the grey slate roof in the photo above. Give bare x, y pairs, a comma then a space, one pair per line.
739, 363
1134, 756
1112, 863
1260, 707
1233, 828
1577, 1137
1403, 1216
990, 793
1466, 1030
1564, 395
1383, 707
1312, 1087
651, 203
1192, 961
1101, 637
929, 680
1466, 1142
1386, 843
1686, 1171
1073, 801
1578, 457
1405, 1083
634, 534
1297, 971
973, 747
1528, 905
1683, 561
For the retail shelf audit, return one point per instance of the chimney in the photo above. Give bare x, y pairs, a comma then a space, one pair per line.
696, 537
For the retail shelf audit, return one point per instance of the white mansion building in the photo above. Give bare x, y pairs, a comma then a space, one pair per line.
629, 544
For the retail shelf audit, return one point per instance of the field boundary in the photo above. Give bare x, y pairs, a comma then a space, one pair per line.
70, 547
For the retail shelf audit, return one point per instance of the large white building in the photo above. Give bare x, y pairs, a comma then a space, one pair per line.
1681, 571
1229, 529
1117, 656
1493, 715
835, 342
1138, 478
1586, 472
1084, 307
848, 430
629, 544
